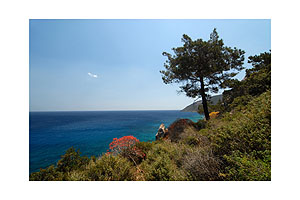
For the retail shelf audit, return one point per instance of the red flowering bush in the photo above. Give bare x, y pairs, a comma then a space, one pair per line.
125, 146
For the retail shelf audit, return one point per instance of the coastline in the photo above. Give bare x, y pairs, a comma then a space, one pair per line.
90, 130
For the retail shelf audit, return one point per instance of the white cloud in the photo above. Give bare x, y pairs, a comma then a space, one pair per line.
93, 75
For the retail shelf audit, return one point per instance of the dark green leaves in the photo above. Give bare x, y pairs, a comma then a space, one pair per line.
210, 60
202, 66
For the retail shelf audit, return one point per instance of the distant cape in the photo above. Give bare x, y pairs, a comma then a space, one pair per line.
194, 106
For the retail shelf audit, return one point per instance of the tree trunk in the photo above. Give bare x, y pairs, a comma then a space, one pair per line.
204, 101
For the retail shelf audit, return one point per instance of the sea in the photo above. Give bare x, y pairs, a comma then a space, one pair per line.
52, 133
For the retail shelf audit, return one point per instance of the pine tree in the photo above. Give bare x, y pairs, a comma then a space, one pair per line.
202, 66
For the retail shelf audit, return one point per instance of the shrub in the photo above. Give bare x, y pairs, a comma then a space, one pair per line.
201, 124
164, 161
162, 169
126, 146
122, 144
48, 174
243, 140
239, 102
241, 166
192, 141
201, 164
190, 136
77, 175
145, 147
71, 161
109, 168
247, 130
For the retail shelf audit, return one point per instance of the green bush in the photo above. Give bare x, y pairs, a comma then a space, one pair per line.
108, 168
71, 161
163, 162
192, 141
78, 175
242, 140
48, 174
239, 102
145, 147
162, 169
246, 131
241, 166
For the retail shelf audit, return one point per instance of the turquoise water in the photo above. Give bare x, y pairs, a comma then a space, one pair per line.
52, 133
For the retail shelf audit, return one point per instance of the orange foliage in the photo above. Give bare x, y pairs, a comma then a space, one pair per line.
213, 115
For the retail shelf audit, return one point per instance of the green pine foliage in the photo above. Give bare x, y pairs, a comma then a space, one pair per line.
202, 66
256, 81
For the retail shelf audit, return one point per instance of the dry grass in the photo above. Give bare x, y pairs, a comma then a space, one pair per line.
201, 164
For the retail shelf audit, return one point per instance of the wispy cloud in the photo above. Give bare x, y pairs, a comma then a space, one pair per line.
93, 75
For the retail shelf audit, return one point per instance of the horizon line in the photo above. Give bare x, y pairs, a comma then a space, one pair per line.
99, 110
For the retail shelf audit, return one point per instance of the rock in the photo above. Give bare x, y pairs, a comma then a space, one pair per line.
178, 127
162, 132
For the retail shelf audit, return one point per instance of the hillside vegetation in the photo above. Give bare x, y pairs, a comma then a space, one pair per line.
235, 144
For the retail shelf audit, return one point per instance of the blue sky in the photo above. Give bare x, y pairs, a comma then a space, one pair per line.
114, 64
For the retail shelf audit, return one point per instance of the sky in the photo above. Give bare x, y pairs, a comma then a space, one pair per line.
91, 65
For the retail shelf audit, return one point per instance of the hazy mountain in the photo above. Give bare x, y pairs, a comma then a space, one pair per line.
194, 106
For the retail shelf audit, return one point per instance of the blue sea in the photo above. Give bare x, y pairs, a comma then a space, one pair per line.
52, 133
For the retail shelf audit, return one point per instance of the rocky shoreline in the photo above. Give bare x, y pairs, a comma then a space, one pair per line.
175, 129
